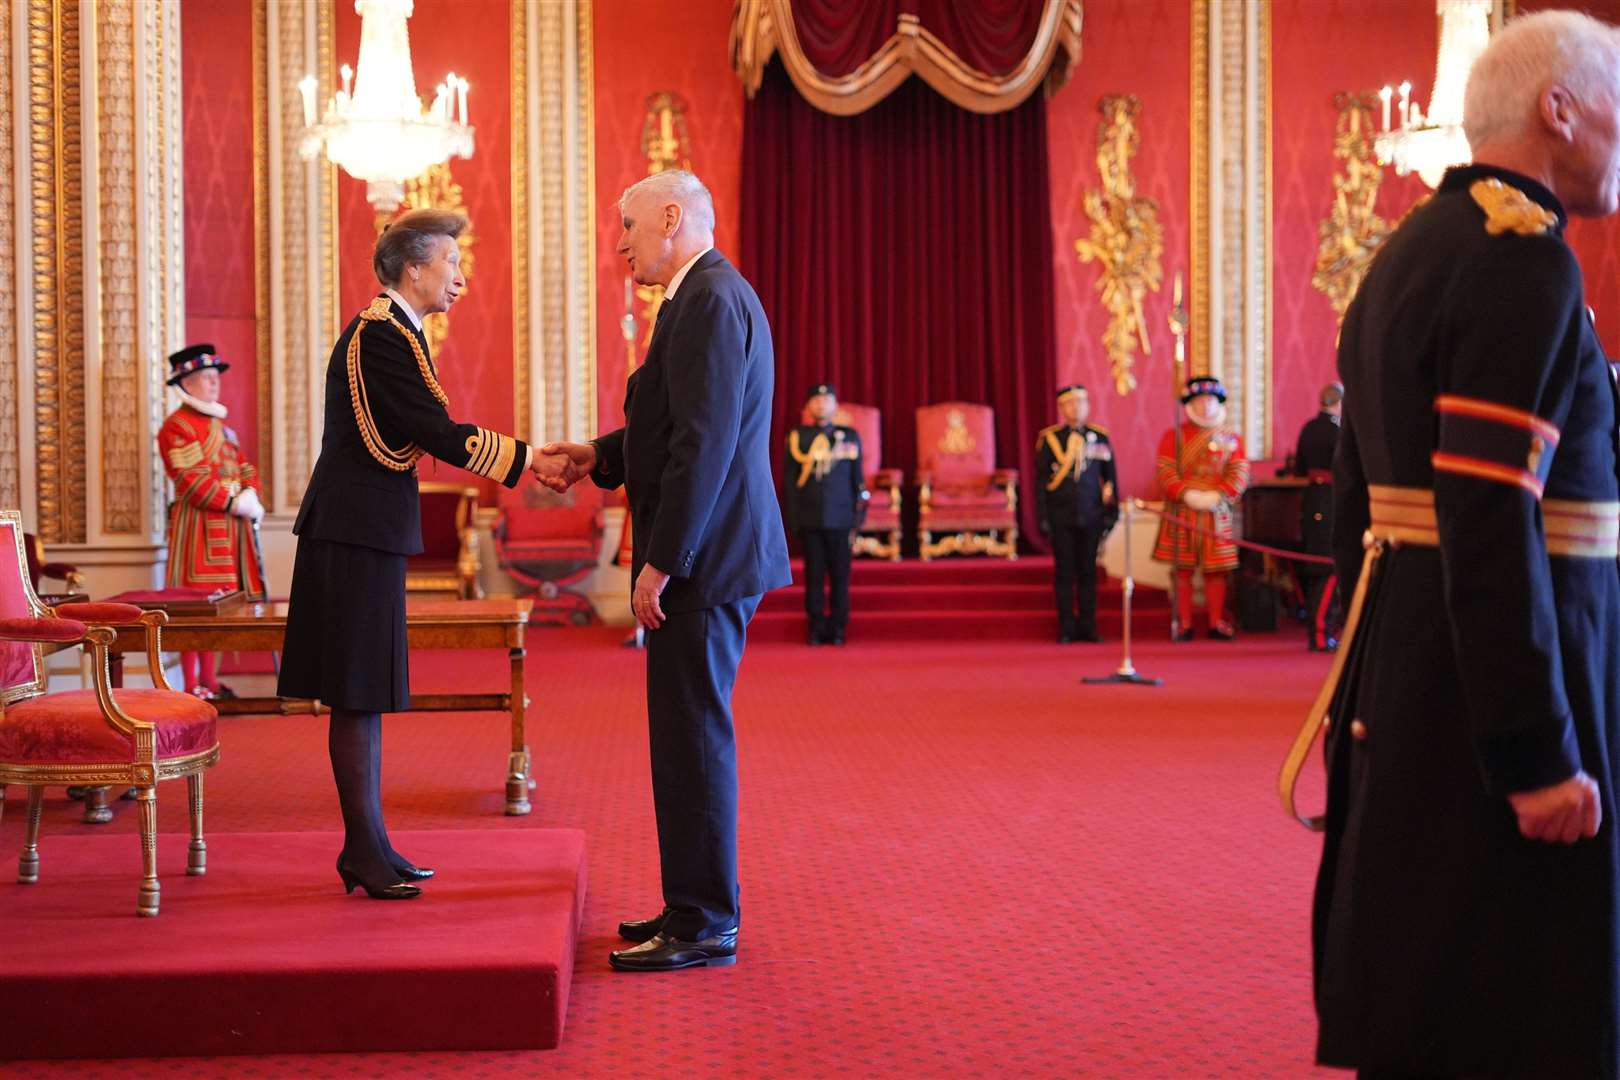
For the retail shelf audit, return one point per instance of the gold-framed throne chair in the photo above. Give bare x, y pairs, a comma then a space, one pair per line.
448, 564
98, 736
879, 536
965, 505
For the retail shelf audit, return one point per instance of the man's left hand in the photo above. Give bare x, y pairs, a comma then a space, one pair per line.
644, 598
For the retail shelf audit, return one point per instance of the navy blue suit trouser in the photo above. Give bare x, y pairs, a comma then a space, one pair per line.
691, 668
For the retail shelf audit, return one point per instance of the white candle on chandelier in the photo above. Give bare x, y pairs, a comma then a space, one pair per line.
306, 87
439, 112
461, 85
1406, 105
1384, 95
348, 74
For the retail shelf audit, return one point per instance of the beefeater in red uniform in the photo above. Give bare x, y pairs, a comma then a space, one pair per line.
1201, 487
216, 497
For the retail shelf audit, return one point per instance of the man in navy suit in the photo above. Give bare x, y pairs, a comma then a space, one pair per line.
694, 457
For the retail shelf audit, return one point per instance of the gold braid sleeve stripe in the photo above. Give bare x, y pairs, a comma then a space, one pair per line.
490, 454
402, 460
185, 456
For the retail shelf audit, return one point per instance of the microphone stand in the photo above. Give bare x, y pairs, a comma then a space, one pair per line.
1127, 672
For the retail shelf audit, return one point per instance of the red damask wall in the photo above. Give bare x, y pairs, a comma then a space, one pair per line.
642, 49
1320, 48
473, 39
216, 72
1138, 47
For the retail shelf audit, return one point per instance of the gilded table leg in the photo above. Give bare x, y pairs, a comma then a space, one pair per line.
96, 810
28, 863
517, 767
150, 890
197, 860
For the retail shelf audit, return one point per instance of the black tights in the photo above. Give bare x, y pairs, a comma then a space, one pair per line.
354, 740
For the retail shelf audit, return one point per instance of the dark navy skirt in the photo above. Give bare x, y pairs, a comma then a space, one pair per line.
345, 643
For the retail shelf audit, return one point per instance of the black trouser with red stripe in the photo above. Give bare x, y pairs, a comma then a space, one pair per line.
1320, 590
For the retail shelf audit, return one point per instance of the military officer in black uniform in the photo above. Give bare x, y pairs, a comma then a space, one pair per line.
1313, 459
360, 519
824, 491
1077, 503
1466, 919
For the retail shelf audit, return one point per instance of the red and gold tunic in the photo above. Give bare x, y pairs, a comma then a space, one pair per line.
209, 547
1212, 459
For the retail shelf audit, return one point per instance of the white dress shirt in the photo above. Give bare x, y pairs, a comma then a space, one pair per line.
410, 312
680, 275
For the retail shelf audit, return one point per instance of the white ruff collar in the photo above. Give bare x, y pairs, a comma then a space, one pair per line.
207, 408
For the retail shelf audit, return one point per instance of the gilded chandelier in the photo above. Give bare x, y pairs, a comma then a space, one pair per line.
379, 132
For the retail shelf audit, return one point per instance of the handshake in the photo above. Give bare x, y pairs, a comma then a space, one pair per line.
559, 466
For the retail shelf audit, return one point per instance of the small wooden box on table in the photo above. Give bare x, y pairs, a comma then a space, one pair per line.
495, 623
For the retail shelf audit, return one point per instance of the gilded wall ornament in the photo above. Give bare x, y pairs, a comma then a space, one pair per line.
1126, 239
1352, 233
665, 142
438, 189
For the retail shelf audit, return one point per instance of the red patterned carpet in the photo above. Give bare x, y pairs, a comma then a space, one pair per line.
957, 862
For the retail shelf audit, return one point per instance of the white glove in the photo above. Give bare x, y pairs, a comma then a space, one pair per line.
247, 505
1200, 499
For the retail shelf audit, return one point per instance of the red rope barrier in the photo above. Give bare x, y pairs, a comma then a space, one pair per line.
1264, 549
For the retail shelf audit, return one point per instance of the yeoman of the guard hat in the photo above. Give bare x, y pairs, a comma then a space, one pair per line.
1204, 384
191, 359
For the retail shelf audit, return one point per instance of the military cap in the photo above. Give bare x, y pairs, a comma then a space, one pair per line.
819, 389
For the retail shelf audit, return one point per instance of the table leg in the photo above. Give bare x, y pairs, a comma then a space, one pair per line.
518, 761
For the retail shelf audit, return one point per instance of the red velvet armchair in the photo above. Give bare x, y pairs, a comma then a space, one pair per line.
962, 498
39, 568
880, 536
100, 736
448, 565
547, 542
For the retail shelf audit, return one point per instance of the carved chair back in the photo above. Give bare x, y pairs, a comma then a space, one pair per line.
956, 440
22, 663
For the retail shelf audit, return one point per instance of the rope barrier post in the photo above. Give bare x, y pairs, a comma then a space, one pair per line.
1127, 672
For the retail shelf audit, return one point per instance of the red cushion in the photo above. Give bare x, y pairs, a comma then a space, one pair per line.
973, 498
68, 728
157, 596
32, 629
526, 550
102, 612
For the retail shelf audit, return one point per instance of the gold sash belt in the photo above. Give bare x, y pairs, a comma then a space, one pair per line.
1405, 515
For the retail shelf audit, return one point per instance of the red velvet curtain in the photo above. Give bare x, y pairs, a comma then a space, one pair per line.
904, 254
993, 36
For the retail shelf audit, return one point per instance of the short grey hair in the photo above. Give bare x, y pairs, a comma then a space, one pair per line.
412, 238
1567, 48
683, 189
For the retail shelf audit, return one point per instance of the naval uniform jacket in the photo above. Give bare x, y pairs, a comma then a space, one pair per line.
695, 450
360, 518
1479, 448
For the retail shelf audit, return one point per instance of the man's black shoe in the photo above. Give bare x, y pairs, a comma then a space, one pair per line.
1089, 635
1064, 637
664, 953
1184, 634
837, 638
639, 930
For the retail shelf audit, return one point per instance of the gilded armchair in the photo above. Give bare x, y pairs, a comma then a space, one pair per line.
549, 543
39, 568
448, 564
962, 498
99, 736
879, 537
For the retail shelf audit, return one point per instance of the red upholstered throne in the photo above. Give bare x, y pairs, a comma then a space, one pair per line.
448, 565
100, 736
962, 498
880, 536
548, 542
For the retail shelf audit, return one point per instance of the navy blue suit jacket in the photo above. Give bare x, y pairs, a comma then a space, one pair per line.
694, 454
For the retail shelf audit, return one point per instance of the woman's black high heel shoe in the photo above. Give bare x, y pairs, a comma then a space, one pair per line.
412, 873
397, 891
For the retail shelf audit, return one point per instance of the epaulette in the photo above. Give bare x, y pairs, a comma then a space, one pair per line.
1099, 429
1507, 209
1045, 431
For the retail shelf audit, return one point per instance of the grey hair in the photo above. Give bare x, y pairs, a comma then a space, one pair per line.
1529, 55
681, 188
413, 237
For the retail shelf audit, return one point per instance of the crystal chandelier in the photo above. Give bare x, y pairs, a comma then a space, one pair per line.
1430, 144
379, 133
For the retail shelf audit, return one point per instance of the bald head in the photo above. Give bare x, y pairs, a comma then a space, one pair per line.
667, 219
1543, 99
